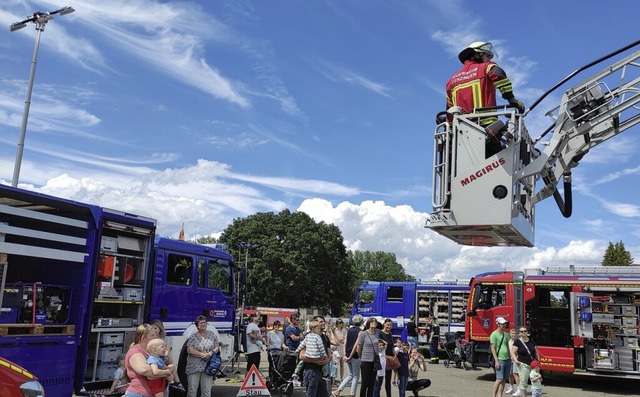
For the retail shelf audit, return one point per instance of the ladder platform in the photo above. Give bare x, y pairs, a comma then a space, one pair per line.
500, 235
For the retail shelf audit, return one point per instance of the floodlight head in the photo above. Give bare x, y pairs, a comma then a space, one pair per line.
65, 10
17, 26
42, 17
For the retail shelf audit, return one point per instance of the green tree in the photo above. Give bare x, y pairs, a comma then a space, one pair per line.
376, 266
617, 255
206, 240
298, 262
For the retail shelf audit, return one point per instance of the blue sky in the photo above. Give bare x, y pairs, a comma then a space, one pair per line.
201, 112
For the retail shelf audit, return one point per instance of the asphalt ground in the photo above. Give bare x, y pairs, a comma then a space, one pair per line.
454, 381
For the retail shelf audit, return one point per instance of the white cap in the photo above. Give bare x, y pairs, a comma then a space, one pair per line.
501, 320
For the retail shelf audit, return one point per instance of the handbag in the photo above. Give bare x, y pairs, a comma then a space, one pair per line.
393, 362
377, 365
213, 365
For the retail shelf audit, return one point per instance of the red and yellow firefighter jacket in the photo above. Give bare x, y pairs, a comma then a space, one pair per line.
474, 86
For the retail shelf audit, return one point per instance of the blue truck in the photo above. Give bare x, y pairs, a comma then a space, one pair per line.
398, 300
77, 279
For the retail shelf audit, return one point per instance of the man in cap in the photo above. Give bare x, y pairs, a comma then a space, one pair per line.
499, 340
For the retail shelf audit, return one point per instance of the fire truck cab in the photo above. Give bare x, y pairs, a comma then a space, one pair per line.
583, 320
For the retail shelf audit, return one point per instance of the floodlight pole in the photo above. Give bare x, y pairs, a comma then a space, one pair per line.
247, 247
40, 19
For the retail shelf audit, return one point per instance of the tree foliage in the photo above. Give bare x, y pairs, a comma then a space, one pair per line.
206, 240
617, 255
297, 263
376, 266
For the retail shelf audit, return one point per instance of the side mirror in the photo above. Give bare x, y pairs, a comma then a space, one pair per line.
472, 313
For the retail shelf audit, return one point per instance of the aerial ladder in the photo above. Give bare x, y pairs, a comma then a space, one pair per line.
482, 198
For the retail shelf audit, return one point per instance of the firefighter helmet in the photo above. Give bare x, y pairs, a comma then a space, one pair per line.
478, 47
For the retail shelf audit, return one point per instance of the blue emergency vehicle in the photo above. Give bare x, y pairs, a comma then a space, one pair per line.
77, 279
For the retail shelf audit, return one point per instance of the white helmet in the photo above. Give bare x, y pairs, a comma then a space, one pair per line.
478, 47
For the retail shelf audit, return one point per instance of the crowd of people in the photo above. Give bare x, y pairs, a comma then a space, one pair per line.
329, 354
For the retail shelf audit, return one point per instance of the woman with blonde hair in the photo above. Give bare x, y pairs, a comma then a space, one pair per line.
136, 363
514, 379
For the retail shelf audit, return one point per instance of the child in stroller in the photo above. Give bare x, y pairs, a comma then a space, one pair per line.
456, 352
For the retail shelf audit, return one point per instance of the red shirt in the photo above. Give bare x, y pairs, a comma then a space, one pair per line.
138, 383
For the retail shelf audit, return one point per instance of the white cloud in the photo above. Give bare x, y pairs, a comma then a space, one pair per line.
337, 73
207, 196
375, 226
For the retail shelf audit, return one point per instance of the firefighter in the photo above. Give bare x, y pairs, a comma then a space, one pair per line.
474, 86
434, 340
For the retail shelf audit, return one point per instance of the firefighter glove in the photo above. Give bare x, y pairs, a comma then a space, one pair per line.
518, 104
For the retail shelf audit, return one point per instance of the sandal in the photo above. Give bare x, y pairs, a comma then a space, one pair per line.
335, 393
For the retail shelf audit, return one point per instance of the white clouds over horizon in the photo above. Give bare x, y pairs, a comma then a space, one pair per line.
184, 195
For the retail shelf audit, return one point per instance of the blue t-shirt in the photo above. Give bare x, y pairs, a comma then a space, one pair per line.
159, 361
291, 330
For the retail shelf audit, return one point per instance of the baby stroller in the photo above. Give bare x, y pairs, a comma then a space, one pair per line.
456, 352
280, 375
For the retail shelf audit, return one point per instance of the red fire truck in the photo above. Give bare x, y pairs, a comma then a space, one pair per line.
583, 319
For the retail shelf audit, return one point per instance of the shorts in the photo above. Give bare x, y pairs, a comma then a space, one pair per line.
158, 385
504, 372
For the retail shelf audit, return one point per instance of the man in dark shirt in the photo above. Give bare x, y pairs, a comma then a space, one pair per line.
293, 334
412, 332
434, 340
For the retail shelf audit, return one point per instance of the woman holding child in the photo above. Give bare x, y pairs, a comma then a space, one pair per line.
138, 371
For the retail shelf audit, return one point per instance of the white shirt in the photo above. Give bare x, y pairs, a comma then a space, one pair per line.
383, 364
251, 346
275, 340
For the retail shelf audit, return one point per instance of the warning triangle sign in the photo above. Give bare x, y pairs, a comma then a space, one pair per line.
254, 384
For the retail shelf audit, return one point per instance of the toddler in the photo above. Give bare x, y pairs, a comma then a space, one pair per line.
381, 372
157, 361
120, 380
334, 364
394, 374
536, 379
